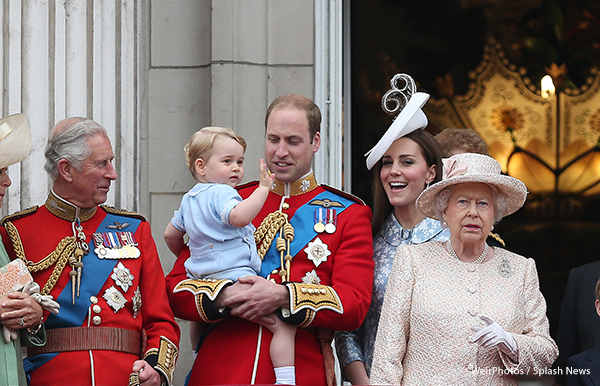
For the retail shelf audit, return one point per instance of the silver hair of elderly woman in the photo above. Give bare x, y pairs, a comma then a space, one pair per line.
443, 198
69, 140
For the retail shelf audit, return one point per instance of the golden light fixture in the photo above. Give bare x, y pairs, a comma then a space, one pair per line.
548, 136
547, 86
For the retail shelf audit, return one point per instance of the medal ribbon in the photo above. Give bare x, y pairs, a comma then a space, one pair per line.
303, 223
98, 271
117, 239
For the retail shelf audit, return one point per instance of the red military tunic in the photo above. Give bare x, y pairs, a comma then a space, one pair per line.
330, 290
128, 294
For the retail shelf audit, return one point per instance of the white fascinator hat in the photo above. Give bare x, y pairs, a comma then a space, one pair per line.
408, 104
15, 139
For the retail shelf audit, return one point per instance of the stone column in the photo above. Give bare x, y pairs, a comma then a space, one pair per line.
68, 58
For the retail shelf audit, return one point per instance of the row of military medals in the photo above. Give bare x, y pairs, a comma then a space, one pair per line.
325, 220
109, 245
116, 245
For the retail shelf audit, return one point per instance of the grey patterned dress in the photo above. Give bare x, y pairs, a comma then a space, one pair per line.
358, 345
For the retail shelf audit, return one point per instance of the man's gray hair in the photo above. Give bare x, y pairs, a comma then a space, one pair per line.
69, 140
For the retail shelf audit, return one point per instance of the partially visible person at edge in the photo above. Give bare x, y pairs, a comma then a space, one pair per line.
579, 324
101, 265
318, 276
456, 141
411, 163
18, 310
584, 367
460, 312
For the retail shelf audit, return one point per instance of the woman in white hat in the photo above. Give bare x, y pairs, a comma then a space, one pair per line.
406, 160
18, 310
460, 312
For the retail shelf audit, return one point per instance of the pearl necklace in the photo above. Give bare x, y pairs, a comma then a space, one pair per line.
479, 260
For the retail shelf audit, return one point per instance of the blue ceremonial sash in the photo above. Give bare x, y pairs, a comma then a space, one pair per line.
93, 276
303, 223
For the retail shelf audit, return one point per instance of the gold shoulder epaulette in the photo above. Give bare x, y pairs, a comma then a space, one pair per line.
121, 212
343, 194
23, 213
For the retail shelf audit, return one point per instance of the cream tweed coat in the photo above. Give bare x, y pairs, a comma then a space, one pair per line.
432, 301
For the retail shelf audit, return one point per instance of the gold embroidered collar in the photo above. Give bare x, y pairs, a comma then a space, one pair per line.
295, 188
63, 209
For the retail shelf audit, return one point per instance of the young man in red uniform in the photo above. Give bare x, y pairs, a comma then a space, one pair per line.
101, 264
317, 268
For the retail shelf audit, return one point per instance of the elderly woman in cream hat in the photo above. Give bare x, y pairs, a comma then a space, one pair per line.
460, 312
18, 310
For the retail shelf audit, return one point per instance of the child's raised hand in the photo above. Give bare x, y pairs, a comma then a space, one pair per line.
266, 178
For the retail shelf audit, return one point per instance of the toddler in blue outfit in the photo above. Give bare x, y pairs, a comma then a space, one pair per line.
218, 224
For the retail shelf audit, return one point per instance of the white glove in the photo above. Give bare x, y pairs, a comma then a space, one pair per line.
46, 301
494, 335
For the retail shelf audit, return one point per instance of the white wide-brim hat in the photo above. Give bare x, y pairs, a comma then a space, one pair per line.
410, 118
15, 139
471, 167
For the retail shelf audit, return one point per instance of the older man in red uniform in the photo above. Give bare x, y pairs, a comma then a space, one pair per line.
317, 267
101, 264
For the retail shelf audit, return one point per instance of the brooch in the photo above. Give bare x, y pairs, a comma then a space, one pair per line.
317, 251
311, 278
137, 302
122, 276
114, 298
505, 268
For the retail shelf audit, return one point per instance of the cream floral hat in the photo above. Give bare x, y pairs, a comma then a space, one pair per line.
407, 103
471, 167
15, 139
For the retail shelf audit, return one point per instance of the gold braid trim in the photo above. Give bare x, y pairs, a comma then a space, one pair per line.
310, 315
265, 234
167, 355
267, 230
59, 256
201, 288
209, 287
23, 213
497, 237
122, 212
200, 307
313, 297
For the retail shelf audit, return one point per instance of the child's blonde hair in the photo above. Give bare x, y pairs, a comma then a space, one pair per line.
201, 144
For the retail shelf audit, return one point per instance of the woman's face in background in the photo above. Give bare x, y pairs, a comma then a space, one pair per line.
4, 183
404, 172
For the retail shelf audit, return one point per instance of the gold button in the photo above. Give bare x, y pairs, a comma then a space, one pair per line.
96, 320
93, 299
96, 308
285, 206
